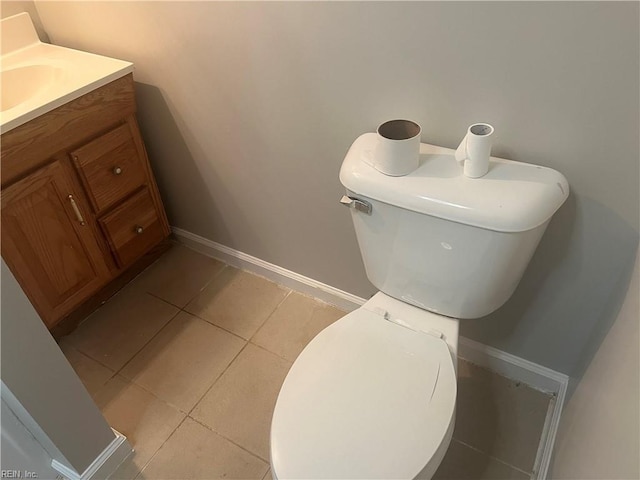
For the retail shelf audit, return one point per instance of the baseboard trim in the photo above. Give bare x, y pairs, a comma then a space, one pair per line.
529, 373
293, 280
104, 465
503, 363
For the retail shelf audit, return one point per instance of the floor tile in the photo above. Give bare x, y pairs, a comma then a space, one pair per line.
121, 327
146, 421
237, 301
176, 360
92, 374
498, 416
464, 463
178, 276
240, 404
195, 452
294, 323
183, 360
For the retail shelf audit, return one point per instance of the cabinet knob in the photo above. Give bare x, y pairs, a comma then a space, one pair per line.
117, 170
138, 229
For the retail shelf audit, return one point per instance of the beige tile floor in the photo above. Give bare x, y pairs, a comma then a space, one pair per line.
188, 359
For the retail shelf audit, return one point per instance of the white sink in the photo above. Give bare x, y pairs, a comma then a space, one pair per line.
21, 84
36, 77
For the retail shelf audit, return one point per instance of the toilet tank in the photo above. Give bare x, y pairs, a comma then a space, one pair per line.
444, 242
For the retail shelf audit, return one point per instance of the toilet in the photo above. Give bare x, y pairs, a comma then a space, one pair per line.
373, 395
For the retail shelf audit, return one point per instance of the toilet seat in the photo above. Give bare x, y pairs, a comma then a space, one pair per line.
367, 398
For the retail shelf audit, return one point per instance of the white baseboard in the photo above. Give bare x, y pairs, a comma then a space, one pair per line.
104, 465
531, 374
503, 363
282, 276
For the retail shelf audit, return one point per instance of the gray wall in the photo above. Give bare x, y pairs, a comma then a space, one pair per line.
20, 450
249, 108
599, 436
42, 389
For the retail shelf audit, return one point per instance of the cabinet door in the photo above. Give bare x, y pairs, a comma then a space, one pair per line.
47, 243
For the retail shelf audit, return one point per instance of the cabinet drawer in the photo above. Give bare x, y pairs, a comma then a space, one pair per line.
110, 167
132, 228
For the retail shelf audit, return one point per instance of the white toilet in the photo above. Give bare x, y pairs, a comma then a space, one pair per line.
373, 395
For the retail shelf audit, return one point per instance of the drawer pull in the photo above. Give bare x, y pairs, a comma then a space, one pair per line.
138, 229
76, 210
117, 170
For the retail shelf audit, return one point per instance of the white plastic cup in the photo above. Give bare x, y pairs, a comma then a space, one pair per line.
475, 149
397, 152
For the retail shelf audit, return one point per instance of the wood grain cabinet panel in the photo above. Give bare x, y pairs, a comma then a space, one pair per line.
110, 167
80, 206
132, 228
49, 244
31, 145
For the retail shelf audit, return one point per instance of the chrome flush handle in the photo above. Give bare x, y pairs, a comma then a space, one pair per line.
360, 205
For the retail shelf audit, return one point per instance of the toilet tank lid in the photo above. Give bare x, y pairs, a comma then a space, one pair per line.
511, 197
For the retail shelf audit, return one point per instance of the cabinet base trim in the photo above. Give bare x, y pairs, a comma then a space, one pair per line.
104, 465
71, 321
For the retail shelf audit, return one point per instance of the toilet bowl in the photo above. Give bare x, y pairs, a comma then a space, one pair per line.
373, 395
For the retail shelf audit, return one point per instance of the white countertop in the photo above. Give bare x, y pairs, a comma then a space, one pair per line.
38, 77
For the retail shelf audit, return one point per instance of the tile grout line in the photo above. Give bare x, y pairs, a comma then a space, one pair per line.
272, 353
173, 317
247, 342
146, 390
211, 429
216, 379
263, 324
157, 297
214, 325
113, 373
209, 282
179, 409
137, 351
491, 456
146, 464
182, 309
188, 416
289, 292
178, 245
315, 308
117, 373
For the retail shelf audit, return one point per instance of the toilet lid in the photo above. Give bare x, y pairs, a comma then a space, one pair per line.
366, 398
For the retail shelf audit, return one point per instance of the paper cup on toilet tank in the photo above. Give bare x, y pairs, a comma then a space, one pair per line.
397, 152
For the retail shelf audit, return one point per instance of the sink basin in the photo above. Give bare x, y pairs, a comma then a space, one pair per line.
23, 83
36, 77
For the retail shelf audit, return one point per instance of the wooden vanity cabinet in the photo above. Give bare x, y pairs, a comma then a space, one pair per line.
80, 208
55, 255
